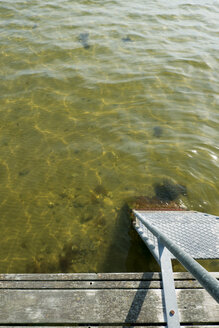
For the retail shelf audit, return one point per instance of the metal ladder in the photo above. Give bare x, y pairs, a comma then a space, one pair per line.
185, 236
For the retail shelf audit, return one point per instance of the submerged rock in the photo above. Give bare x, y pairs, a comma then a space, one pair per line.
127, 39
100, 190
23, 173
158, 131
169, 191
166, 198
83, 39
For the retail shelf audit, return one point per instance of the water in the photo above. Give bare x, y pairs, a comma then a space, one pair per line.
99, 101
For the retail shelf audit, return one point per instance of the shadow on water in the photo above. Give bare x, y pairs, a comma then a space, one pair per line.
127, 252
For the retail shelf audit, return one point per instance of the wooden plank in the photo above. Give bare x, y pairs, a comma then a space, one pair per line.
123, 326
95, 284
83, 276
133, 326
99, 276
102, 306
187, 275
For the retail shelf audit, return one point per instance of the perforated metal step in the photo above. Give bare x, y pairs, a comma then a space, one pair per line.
196, 233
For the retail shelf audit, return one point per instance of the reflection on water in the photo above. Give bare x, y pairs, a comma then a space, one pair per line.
100, 103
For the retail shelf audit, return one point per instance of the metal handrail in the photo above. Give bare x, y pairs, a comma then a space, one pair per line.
203, 276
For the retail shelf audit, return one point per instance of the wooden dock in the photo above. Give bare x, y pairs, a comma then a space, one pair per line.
108, 299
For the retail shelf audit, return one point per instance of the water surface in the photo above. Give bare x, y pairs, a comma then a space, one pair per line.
99, 101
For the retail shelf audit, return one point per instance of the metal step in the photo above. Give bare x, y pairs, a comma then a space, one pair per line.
196, 233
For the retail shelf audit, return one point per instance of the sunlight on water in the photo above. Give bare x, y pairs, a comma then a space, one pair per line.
99, 101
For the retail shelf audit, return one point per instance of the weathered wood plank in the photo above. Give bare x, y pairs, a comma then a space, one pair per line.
123, 326
95, 284
102, 306
107, 298
98, 276
83, 276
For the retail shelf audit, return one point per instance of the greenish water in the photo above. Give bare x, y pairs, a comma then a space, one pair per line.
100, 100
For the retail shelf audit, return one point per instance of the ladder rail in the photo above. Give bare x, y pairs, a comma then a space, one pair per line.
162, 256
203, 276
170, 300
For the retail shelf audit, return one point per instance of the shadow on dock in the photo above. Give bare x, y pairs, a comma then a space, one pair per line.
137, 302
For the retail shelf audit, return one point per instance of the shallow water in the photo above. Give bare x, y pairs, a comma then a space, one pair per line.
99, 101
